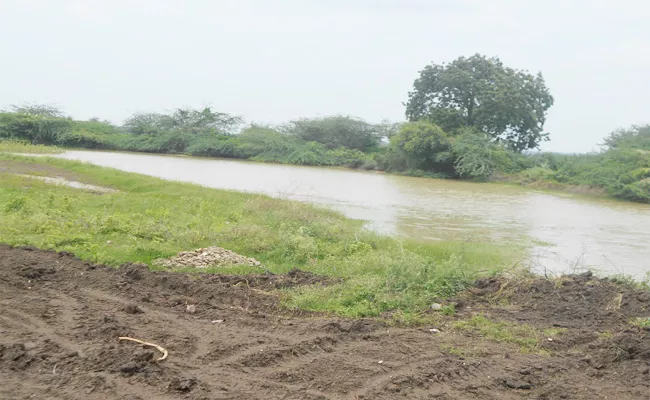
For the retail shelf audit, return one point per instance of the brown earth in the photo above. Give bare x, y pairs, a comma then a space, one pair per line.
19, 167
60, 320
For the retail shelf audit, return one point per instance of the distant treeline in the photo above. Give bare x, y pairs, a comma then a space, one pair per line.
419, 148
471, 119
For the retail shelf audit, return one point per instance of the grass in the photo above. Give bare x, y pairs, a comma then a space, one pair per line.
17, 146
151, 218
642, 322
526, 337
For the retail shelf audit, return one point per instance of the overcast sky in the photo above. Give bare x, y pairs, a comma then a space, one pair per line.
275, 60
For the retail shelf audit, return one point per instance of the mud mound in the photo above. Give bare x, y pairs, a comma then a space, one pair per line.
574, 301
60, 320
205, 258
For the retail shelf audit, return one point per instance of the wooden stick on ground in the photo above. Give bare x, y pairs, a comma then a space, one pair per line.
159, 348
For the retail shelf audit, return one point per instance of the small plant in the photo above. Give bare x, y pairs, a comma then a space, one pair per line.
15, 204
642, 322
552, 332
448, 310
624, 280
605, 335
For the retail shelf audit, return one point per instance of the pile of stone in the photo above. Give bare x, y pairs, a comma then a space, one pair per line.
207, 257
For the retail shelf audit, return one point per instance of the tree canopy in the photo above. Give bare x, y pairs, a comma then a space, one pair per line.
39, 124
422, 145
635, 137
337, 131
186, 120
509, 105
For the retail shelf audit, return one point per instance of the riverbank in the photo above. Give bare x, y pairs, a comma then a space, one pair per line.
448, 319
145, 218
521, 179
576, 337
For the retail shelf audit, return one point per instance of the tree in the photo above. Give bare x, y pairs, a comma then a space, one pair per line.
336, 131
479, 92
636, 137
40, 110
387, 129
40, 124
422, 145
147, 123
476, 156
204, 121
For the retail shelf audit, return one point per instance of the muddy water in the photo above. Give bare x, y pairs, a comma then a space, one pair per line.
562, 232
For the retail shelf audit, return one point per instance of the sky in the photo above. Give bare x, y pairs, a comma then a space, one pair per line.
273, 61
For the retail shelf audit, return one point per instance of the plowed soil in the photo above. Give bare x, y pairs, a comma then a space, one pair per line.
60, 320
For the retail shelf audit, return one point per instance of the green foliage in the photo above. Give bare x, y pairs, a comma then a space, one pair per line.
636, 137
185, 131
35, 128
170, 142
92, 134
420, 148
41, 110
482, 93
350, 158
255, 141
421, 145
337, 131
204, 121
525, 336
213, 146
622, 170
477, 156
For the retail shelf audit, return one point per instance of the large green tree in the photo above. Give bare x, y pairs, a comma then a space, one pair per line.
480, 92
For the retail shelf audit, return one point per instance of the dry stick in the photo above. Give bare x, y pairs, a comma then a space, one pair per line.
159, 348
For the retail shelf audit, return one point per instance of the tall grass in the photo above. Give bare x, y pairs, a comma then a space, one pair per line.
20, 146
151, 218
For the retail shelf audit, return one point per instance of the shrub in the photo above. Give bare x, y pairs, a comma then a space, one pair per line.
37, 129
214, 146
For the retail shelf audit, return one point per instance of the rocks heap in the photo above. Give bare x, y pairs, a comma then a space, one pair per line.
207, 257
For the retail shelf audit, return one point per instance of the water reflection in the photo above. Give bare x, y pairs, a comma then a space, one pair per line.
568, 232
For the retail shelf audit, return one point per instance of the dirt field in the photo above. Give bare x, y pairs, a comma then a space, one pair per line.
60, 320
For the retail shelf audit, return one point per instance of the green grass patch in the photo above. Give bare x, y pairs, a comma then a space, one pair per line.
526, 337
642, 322
19, 146
151, 218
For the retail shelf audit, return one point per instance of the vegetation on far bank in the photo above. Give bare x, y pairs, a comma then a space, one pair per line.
473, 118
150, 218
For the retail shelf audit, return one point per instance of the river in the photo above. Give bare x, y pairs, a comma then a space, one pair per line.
563, 232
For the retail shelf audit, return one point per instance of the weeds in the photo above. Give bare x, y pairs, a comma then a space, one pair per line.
642, 322
525, 336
